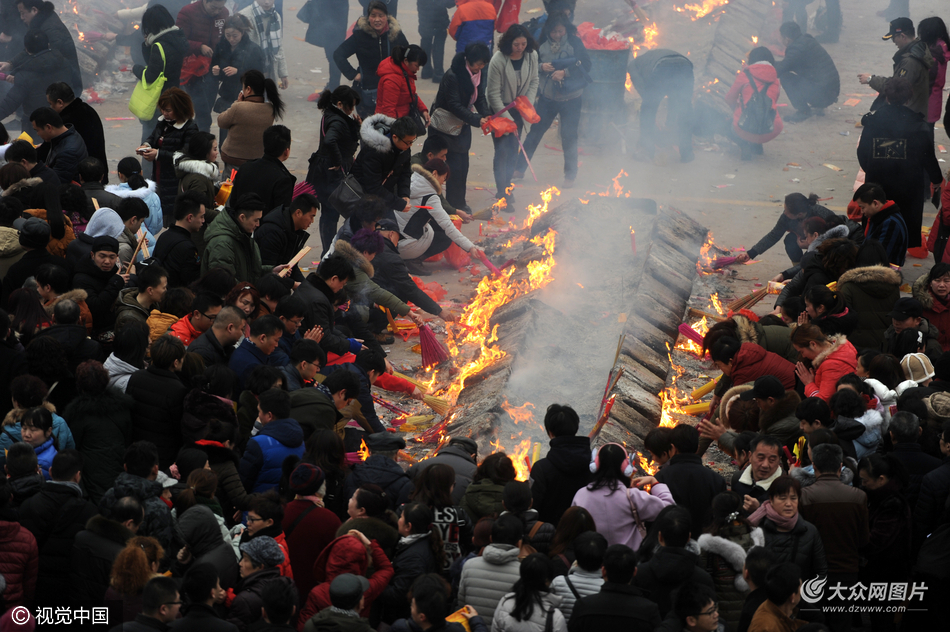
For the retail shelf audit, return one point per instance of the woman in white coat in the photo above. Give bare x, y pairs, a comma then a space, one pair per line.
531, 604
428, 231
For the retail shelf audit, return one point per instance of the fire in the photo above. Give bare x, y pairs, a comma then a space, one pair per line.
537, 210
701, 10
685, 344
717, 304
670, 400
646, 464
707, 255
520, 456
755, 39
628, 84
521, 414
363, 451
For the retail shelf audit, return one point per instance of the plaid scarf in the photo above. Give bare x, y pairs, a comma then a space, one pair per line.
271, 33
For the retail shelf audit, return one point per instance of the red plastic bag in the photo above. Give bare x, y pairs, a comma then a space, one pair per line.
499, 126
527, 111
194, 66
508, 15
435, 291
457, 257
591, 37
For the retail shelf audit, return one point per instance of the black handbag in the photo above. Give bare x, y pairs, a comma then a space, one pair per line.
414, 112
348, 193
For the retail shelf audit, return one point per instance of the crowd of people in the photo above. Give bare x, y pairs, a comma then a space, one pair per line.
184, 406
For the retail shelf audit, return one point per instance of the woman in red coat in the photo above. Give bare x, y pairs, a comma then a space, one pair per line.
933, 292
397, 82
19, 555
761, 65
832, 357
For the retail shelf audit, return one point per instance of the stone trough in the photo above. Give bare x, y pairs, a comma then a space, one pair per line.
560, 340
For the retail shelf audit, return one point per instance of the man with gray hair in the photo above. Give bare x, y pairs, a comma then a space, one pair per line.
905, 433
68, 331
840, 513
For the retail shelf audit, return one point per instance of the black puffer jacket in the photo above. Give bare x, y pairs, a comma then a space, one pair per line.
102, 289
455, 93
47, 21
382, 168
278, 241
158, 518
159, 405
199, 408
370, 49
411, 560
811, 62
559, 475
78, 346
94, 551
888, 551
543, 536
198, 528
339, 140
318, 297
667, 570
225, 462
247, 605
802, 546
175, 46
102, 427
168, 138
247, 56
393, 276
379, 470
54, 516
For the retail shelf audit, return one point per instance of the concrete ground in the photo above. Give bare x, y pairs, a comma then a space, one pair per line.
738, 201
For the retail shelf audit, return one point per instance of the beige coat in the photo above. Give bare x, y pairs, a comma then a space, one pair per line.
245, 122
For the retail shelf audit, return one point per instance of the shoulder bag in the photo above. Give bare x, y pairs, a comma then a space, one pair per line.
348, 193
641, 528
414, 112
145, 96
444, 121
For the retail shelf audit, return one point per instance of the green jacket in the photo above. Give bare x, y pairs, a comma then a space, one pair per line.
128, 308
361, 288
328, 620
313, 410
228, 246
483, 498
871, 293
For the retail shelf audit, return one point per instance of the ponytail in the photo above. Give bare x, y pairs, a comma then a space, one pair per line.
201, 483
131, 168
273, 95
343, 94
420, 517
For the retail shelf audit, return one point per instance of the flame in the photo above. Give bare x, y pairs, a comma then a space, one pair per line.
717, 304
617, 187
707, 256
583, 201
646, 464
669, 397
628, 84
363, 451
701, 10
520, 457
755, 39
685, 344
521, 414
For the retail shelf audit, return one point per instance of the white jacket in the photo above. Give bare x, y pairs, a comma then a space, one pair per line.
505, 622
888, 397
423, 183
586, 583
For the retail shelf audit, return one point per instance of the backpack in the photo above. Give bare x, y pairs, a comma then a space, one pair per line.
526, 548
758, 114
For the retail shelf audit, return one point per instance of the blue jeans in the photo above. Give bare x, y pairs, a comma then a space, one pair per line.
506, 156
548, 109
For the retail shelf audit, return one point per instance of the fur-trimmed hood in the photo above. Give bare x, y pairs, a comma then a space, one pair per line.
13, 417
836, 343
746, 329
185, 165
726, 403
423, 179
732, 552
76, 296
354, 257
921, 291
871, 274
374, 132
393, 32
125, 191
16, 187
831, 233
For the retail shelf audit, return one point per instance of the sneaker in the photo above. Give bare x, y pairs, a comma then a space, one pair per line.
517, 175
384, 338
798, 116
415, 267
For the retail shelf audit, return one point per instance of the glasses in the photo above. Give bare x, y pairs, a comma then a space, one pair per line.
249, 519
711, 611
407, 143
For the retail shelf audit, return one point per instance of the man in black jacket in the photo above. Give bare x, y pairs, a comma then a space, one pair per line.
318, 291
66, 147
268, 177
91, 173
382, 166
283, 233
99, 276
40, 15
54, 516
38, 68
95, 549
84, 119
381, 469
566, 468
618, 605
905, 434
201, 589
461, 454
217, 343
807, 73
393, 275
692, 484
672, 565
69, 332
160, 605
175, 250
23, 152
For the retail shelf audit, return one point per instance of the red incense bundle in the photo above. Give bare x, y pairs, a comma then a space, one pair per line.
688, 332
432, 350
494, 270
722, 262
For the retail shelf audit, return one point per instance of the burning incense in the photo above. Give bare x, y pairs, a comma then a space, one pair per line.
438, 404
603, 419
390, 407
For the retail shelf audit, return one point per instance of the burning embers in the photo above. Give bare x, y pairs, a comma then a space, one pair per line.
699, 11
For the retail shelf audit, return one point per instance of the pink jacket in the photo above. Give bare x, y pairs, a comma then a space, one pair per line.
940, 56
764, 74
612, 513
